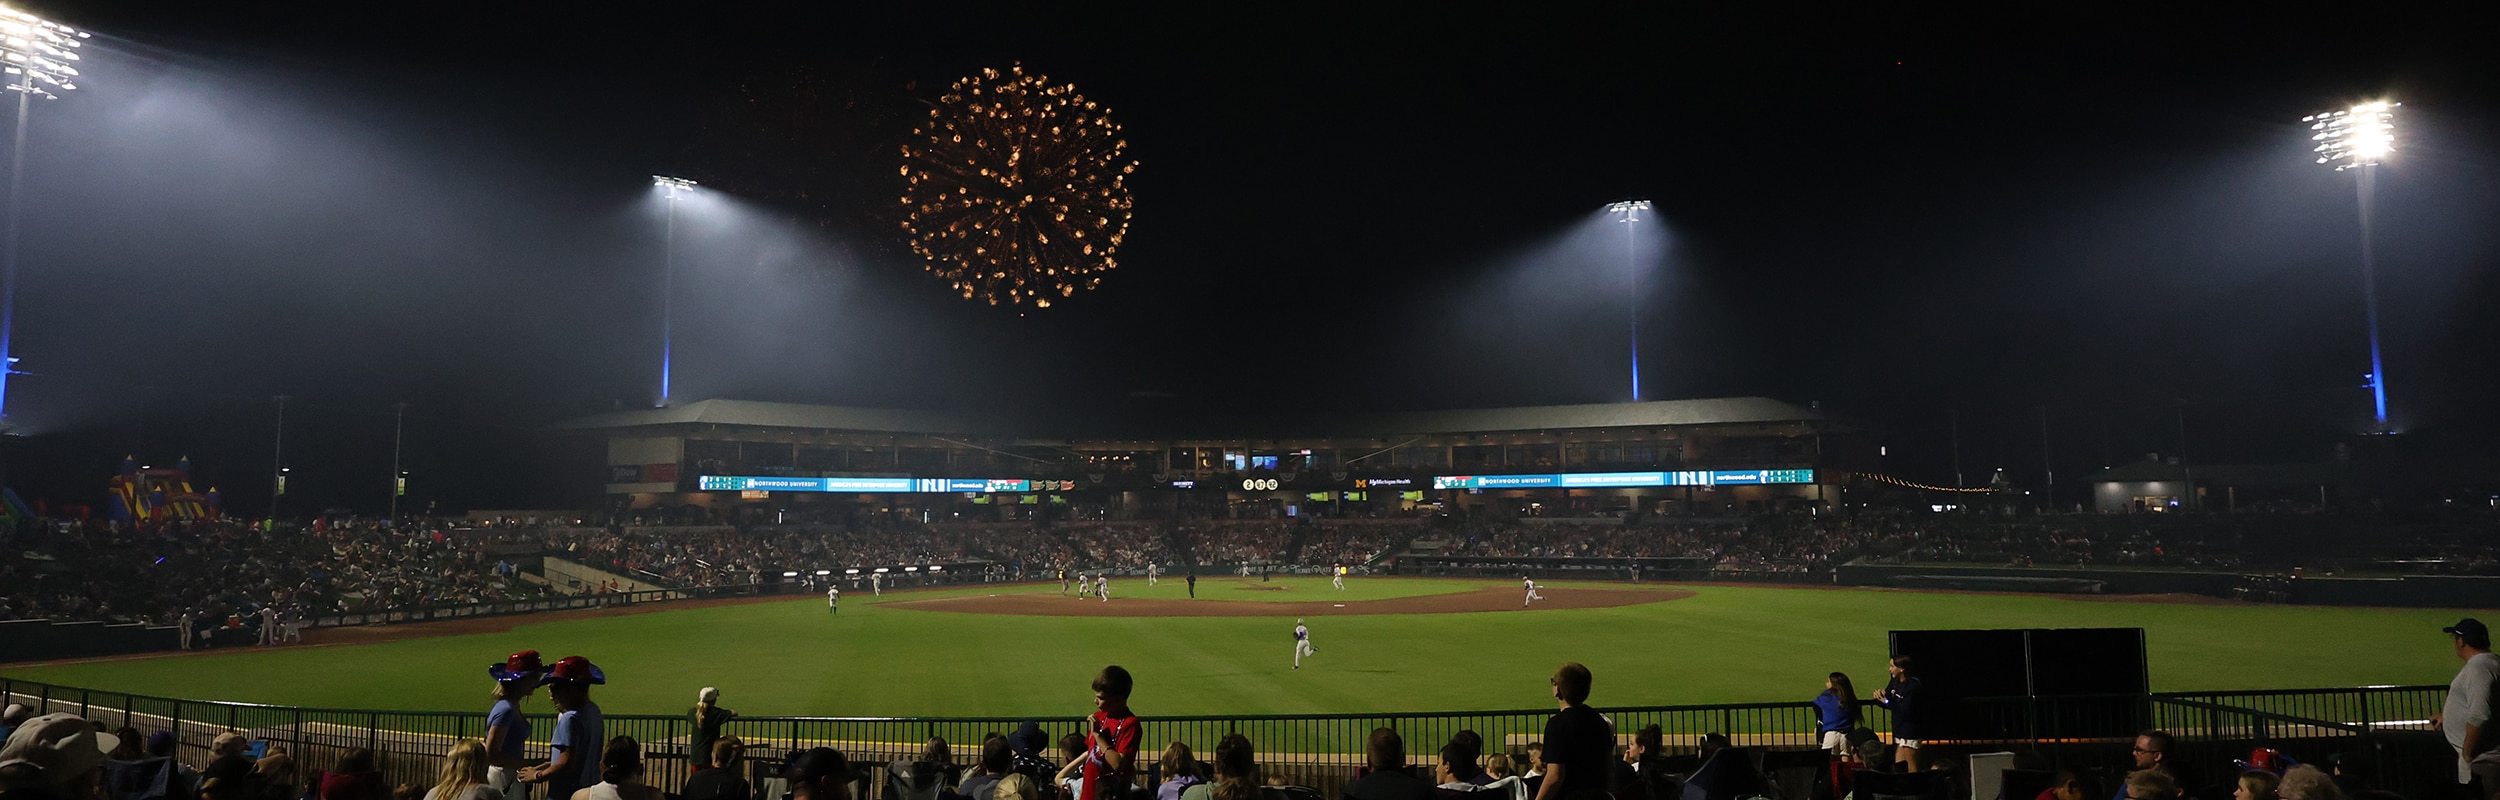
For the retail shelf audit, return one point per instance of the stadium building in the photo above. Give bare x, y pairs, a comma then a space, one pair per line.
736, 460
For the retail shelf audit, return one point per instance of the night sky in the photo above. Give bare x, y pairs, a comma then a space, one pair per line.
1900, 214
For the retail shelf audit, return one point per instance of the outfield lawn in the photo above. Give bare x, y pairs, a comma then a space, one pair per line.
1725, 644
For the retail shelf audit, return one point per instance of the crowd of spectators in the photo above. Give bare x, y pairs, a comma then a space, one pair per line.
211, 571
1778, 542
1236, 541
1330, 543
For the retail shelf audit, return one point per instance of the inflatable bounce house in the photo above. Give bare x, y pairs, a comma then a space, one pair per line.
152, 497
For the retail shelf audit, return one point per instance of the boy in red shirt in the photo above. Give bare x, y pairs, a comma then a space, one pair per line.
1112, 761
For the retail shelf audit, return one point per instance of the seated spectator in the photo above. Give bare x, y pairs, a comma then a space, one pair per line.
996, 759
154, 775
818, 774
925, 779
1071, 775
14, 715
358, 777
274, 777
1650, 778
54, 757
2153, 784
1499, 766
721, 780
2070, 785
1388, 778
1027, 743
1016, 786
228, 774
464, 774
1449, 771
1236, 773
2305, 783
2257, 784
1726, 772
1471, 746
1180, 771
620, 774
130, 747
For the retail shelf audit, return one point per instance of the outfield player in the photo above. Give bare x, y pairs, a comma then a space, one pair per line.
1340, 580
1533, 596
1063, 582
1302, 643
876, 584
1153, 572
1102, 586
833, 599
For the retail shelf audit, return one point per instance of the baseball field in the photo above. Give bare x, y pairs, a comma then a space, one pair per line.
1384, 644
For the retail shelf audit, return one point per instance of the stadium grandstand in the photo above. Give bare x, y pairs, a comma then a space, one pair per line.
733, 459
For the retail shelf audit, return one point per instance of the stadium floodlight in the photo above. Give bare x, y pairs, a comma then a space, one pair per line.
2355, 137
1630, 212
35, 54
2358, 138
668, 277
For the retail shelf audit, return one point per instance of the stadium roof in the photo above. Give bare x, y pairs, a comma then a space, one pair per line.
752, 413
1665, 413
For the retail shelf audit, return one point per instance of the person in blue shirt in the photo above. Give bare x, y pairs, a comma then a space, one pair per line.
574, 759
507, 729
1838, 705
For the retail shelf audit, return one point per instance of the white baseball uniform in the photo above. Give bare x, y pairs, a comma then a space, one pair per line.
1340, 580
1302, 644
1530, 583
1102, 586
833, 599
876, 583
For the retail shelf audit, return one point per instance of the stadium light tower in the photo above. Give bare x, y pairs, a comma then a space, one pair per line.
2356, 139
668, 274
1630, 212
35, 55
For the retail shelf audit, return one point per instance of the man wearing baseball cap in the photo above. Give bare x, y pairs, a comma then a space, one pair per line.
54, 757
2466, 717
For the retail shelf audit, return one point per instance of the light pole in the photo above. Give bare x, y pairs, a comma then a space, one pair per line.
399, 480
668, 274
277, 461
34, 53
1630, 211
2357, 138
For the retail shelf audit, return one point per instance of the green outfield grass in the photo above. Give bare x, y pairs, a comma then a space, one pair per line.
1726, 644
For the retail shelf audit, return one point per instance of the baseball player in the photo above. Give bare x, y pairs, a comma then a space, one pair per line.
1153, 572
1302, 643
833, 599
1533, 596
1340, 579
876, 584
1063, 583
1102, 586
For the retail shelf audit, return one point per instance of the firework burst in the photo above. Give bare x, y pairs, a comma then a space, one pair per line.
1016, 190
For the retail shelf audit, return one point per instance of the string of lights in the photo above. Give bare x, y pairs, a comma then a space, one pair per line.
1017, 189
1890, 480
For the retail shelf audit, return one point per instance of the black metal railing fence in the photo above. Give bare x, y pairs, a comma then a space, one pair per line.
2380, 728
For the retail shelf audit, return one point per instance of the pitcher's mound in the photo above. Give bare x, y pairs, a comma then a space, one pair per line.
1046, 604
